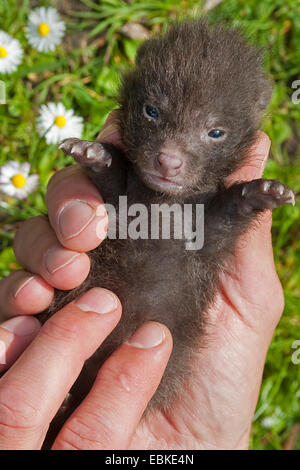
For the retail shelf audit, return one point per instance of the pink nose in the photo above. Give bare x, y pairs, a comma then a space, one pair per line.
168, 164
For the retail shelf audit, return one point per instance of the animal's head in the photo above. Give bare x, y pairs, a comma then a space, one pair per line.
191, 107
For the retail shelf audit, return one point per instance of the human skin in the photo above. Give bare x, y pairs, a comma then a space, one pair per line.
219, 399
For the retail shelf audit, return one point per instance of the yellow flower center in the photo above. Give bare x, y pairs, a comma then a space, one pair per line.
43, 29
18, 181
3, 52
60, 121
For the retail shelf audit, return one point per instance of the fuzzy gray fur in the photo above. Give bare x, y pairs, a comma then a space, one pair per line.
199, 77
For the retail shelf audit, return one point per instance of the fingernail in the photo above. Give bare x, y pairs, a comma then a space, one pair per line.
57, 258
21, 286
3, 351
97, 300
147, 336
107, 131
74, 217
21, 326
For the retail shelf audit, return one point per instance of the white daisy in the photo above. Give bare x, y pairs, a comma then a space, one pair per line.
268, 422
56, 123
11, 53
44, 30
14, 180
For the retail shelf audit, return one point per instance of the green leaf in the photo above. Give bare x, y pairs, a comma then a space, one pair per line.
130, 47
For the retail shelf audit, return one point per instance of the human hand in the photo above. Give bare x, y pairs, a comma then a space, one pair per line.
220, 396
52, 252
33, 389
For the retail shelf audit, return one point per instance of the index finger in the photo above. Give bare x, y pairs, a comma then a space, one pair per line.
76, 210
75, 206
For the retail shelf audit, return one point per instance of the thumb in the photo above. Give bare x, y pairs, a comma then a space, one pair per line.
110, 133
256, 163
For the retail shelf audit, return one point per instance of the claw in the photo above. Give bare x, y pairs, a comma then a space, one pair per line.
91, 153
67, 145
266, 194
280, 190
266, 186
292, 198
87, 153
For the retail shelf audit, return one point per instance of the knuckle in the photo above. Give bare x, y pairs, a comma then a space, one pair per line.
29, 226
89, 433
274, 308
60, 177
21, 230
263, 136
267, 139
16, 412
3, 284
59, 329
122, 376
278, 296
57, 177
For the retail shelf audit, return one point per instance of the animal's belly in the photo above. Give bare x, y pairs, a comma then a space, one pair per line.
152, 281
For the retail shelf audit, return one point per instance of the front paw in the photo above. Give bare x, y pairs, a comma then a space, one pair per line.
263, 194
90, 154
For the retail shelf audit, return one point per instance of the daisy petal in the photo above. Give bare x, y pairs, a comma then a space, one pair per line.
25, 168
53, 35
14, 53
71, 126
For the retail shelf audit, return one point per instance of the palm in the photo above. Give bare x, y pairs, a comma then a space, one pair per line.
219, 400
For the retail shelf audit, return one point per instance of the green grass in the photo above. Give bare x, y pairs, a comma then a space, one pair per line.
83, 74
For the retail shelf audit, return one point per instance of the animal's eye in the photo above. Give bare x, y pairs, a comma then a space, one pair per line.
216, 133
150, 112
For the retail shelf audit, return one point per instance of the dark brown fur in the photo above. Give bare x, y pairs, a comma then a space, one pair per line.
200, 78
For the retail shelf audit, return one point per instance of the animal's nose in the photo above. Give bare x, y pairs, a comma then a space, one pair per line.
168, 164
